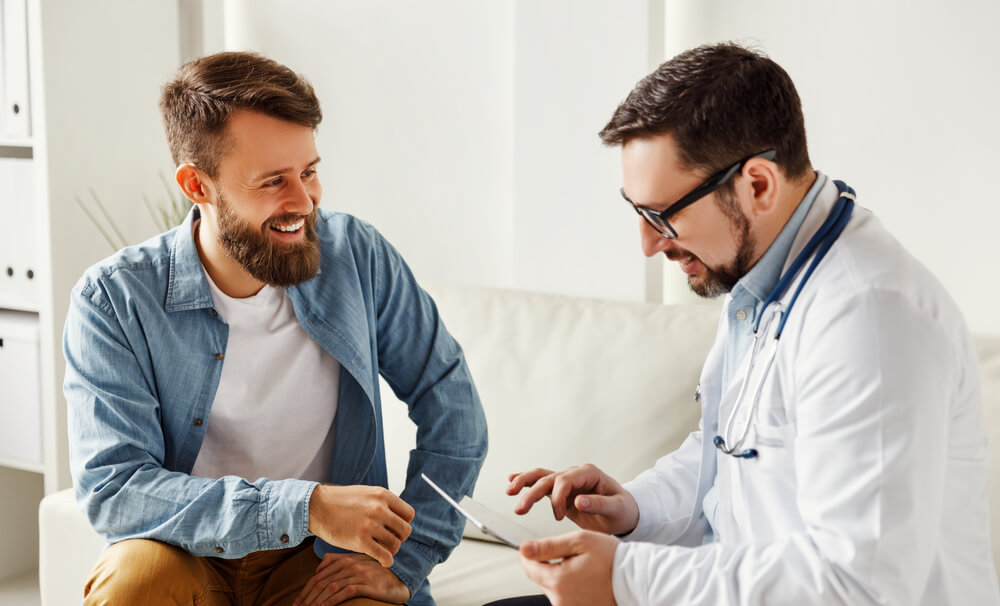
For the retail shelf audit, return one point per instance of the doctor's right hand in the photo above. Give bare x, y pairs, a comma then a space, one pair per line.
592, 499
364, 519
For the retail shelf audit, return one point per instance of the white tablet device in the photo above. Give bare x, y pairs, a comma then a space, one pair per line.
486, 520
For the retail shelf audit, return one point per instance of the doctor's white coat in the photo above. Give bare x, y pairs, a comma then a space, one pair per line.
871, 482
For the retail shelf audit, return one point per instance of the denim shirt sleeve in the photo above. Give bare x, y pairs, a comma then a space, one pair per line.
426, 368
117, 452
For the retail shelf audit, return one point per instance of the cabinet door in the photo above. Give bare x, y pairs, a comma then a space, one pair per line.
19, 233
20, 403
15, 120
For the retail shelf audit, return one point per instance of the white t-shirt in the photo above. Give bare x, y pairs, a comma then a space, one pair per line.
273, 414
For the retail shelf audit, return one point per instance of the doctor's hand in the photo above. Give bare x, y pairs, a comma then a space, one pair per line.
343, 576
586, 495
582, 577
366, 519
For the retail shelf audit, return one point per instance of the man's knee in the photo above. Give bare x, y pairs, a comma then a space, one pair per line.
147, 572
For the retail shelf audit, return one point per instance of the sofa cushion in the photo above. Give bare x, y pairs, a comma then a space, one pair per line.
566, 381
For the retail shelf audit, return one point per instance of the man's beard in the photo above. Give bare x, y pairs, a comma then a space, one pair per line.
275, 264
720, 280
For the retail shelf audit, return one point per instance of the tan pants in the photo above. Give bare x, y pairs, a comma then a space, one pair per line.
152, 573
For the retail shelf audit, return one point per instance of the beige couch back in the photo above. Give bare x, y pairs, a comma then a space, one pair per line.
566, 381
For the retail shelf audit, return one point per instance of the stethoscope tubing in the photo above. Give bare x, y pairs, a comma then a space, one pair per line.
815, 249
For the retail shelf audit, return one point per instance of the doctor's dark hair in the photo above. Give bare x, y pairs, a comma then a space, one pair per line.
196, 105
721, 103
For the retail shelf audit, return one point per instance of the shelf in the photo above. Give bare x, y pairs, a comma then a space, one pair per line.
16, 304
20, 150
13, 463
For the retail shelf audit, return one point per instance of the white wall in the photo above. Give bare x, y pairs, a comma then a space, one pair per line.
900, 99
416, 134
466, 130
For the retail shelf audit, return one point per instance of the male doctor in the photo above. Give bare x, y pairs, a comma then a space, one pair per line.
842, 463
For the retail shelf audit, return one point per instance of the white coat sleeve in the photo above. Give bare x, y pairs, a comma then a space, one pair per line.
873, 380
665, 494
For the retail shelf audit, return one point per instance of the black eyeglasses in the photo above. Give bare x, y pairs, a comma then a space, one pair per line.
657, 219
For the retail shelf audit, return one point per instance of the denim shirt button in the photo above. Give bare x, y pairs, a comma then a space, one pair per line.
219, 550
198, 422
218, 356
284, 538
215, 313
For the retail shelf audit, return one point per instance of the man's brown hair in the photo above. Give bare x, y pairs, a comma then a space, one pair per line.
721, 103
197, 104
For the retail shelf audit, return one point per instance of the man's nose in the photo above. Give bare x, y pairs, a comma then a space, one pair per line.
652, 241
301, 199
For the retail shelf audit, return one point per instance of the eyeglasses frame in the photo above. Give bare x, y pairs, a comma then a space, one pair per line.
713, 183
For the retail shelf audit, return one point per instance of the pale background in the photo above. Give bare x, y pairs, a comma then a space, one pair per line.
466, 130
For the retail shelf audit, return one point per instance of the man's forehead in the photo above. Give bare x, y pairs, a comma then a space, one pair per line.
261, 145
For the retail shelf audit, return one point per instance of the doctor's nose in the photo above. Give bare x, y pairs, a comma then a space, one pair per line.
652, 241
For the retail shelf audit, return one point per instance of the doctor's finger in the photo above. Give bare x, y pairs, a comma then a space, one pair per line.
521, 479
564, 488
539, 572
552, 548
539, 490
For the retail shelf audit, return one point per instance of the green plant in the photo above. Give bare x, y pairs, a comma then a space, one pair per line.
166, 213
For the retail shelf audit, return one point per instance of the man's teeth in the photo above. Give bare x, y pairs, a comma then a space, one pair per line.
291, 227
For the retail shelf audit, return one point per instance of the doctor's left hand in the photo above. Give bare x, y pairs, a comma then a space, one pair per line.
343, 576
582, 577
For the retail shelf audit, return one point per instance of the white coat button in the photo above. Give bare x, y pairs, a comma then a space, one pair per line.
741, 315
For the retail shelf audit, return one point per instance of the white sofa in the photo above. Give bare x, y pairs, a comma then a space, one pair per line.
564, 381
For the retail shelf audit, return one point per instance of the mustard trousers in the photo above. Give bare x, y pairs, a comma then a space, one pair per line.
151, 573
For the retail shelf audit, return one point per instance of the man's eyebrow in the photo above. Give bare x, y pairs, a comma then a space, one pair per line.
281, 171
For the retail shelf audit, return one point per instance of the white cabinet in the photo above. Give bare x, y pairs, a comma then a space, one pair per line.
20, 399
15, 117
19, 262
79, 85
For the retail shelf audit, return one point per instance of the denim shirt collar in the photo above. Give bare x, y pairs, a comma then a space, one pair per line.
187, 287
762, 278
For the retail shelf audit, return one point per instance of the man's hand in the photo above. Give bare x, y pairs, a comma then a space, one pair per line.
365, 519
342, 576
582, 577
587, 495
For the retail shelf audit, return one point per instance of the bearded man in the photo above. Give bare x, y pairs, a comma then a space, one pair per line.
222, 378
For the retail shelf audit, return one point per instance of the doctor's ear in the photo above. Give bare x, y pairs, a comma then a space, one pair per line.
762, 183
195, 184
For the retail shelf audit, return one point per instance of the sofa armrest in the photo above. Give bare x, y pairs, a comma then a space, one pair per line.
68, 548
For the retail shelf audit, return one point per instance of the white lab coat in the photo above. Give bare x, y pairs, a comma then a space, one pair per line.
870, 484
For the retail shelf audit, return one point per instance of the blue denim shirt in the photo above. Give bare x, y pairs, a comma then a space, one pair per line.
144, 352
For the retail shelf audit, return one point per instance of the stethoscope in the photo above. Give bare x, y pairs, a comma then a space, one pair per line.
817, 247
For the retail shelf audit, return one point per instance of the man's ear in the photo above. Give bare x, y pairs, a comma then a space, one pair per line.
762, 184
194, 183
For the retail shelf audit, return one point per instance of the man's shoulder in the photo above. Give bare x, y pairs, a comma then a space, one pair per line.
146, 263
875, 267
335, 227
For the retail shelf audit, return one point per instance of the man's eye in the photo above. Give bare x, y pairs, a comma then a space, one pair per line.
273, 183
309, 173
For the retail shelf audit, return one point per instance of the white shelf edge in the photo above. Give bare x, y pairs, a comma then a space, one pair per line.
17, 150
12, 463
17, 304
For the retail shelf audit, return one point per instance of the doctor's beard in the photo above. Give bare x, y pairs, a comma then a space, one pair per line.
720, 280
